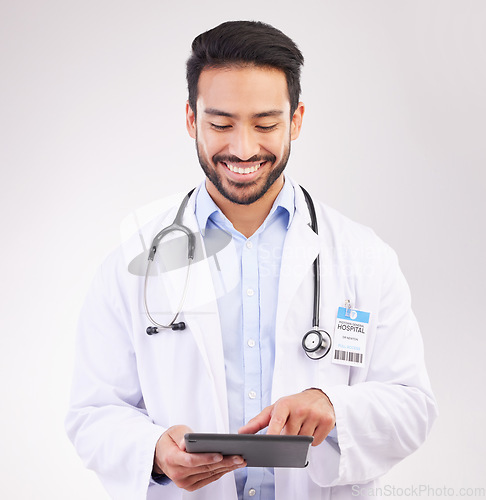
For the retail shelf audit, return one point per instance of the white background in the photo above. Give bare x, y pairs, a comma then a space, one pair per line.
92, 97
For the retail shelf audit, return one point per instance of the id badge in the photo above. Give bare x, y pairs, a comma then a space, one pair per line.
349, 345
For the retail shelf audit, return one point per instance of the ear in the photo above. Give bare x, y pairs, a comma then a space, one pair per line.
296, 123
190, 121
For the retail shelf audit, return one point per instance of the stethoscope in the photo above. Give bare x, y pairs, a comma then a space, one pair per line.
177, 225
316, 342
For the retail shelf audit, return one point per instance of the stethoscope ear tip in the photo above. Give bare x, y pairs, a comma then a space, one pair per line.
152, 330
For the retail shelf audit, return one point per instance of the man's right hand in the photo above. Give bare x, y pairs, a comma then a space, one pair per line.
190, 471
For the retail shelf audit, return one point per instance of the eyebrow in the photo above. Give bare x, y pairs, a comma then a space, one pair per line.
264, 114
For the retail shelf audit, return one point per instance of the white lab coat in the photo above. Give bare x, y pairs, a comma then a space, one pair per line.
129, 387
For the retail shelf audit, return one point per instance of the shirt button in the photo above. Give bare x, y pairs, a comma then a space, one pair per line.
252, 394
251, 343
249, 244
250, 292
252, 492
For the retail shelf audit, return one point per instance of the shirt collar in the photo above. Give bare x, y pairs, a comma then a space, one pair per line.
205, 207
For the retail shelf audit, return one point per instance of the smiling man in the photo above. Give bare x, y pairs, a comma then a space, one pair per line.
243, 130
244, 362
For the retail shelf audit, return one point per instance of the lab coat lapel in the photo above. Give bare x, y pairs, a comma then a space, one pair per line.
301, 248
201, 315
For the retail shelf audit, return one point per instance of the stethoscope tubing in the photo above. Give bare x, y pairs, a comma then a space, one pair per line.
316, 342
177, 225
317, 261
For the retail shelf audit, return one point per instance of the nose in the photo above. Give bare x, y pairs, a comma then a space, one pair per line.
244, 143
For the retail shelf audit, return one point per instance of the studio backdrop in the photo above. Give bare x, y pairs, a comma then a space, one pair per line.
92, 127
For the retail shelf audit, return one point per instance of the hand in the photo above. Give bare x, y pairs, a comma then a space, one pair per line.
190, 471
309, 413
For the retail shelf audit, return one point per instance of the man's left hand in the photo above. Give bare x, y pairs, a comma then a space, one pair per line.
309, 413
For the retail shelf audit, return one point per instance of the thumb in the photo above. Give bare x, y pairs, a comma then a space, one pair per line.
177, 434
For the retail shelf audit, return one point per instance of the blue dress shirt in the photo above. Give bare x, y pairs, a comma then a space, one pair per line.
246, 284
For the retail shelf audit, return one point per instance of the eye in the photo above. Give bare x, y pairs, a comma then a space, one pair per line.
220, 127
266, 129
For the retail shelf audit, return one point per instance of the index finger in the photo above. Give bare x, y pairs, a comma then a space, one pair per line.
188, 459
280, 415
257, 423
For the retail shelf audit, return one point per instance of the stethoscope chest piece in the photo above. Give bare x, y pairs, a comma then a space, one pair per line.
316, 343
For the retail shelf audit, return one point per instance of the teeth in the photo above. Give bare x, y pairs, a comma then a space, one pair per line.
240, 170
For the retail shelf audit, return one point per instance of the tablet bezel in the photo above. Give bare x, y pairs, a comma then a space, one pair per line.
258, 450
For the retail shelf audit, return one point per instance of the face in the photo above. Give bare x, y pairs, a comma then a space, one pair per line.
243, 131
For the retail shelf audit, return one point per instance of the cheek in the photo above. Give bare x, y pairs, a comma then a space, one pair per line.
277, 145
209, 144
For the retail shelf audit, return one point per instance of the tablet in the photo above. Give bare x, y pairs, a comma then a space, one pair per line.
258, 450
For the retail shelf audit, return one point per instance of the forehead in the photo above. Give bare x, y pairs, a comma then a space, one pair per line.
243, 90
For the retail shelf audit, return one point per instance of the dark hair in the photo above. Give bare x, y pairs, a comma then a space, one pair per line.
241, 43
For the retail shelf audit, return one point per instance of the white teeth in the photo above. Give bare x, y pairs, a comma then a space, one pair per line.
239, 170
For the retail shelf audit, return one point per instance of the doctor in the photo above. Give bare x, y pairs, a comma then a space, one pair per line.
239, 365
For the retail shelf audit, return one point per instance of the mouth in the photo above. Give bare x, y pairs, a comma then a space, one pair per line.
243, 168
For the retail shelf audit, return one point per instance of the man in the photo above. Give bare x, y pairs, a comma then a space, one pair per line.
239, 365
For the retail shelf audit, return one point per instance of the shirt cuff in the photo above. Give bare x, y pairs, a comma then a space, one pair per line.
161, 478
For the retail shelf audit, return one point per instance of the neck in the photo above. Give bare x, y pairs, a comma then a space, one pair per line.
246, 218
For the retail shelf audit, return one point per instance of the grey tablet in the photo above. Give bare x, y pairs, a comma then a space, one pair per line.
259, 450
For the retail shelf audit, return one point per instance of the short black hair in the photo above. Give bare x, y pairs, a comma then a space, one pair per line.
242, 43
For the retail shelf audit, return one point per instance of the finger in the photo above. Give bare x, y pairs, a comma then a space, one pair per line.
291, 428
229, 462
190, 461
194, 478
207, 480
309, 428
320, 434
182, 458
257, 423
226, 462
204, 480
182, 444
295, 421
280, 415
318, 425
193, 460
178, 432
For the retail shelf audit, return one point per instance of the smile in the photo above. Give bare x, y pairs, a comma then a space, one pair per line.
243, 170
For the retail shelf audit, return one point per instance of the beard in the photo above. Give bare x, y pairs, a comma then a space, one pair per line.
244, 193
